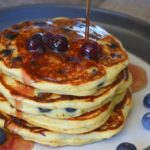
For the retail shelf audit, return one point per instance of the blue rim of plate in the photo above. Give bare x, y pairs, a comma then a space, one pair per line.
138, 28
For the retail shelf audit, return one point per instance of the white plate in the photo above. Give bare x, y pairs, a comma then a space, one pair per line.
133, 131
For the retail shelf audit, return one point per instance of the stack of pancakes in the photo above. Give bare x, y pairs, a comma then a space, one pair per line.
58, 98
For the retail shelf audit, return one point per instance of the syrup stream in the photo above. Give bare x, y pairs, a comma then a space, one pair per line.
87, 19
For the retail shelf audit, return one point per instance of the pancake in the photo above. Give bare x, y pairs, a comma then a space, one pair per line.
84, 123
65, 73
60, 106
29, 132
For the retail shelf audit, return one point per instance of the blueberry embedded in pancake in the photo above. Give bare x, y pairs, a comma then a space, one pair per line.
60, 106
49, 72
75, 125
44, 50
29, 132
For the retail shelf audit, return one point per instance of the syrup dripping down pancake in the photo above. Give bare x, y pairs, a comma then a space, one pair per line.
29, 132
61, 73
81, 124
60, 106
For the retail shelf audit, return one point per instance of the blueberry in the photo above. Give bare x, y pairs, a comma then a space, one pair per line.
46, 37
7, 52
3, 136
147, 100
90, 50
35, 43
11, 35
44, 110
100, 84
70, 110
115, 55
40, 23
58, 43
146, 121
17, 121
67, 29
126, 146
112, 45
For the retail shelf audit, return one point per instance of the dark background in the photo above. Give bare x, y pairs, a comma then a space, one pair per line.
136, 8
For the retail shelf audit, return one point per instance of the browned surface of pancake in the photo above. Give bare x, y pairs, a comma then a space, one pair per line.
115, 120
52, 66
86, 116
27, 91
92, 114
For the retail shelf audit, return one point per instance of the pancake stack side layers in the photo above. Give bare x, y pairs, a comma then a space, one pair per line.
56, 88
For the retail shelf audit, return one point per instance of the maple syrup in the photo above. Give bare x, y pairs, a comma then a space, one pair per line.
88, 2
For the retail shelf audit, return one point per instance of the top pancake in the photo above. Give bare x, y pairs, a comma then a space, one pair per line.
64, 73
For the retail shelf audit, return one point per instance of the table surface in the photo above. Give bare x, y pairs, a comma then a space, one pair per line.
136, 8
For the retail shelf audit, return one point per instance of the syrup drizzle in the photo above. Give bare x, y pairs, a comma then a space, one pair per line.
88, 2
18, 103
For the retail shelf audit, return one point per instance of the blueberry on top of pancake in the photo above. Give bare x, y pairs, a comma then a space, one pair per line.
44, 50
